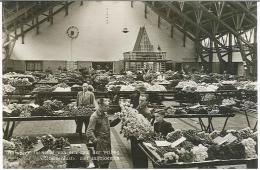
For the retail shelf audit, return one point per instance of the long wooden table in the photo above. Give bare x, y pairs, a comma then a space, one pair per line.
8, 130
176, 95
149, 153
204, 127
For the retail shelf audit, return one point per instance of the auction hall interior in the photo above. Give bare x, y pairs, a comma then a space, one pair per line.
129, 84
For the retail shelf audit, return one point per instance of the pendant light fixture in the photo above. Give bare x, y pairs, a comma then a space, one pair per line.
125, 29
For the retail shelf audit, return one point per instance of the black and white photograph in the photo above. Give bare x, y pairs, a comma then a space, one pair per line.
129, 84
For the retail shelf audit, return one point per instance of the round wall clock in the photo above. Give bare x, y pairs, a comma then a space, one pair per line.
73, 32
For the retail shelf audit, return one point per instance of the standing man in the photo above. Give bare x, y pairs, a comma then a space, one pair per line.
99, 133
84, 98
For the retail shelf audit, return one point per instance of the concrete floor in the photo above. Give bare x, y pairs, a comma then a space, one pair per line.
119, 143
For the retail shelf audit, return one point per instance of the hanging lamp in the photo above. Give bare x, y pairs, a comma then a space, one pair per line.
125, 30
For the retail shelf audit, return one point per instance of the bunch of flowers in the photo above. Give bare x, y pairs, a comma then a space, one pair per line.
185, 155
134, 124
249, 145
102, 79
17, 81
115, 85
43, 88
200, 153
9, 77
228, 102
156, 87
175, 135
81, 111
150, 76
171, 157
251, 86
54, 104
127, 88
8, 88
21, 110
34, 160
183, 84
170, 75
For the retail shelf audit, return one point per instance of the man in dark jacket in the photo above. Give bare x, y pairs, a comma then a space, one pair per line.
135, 98
99, 133
161, 126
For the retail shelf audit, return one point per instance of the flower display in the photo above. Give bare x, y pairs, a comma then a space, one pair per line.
200, 153
7, 88
249, 145
134, 124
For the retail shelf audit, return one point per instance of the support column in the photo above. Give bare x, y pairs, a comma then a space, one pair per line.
15, 32
210, 57
230, 53
51, 16
66, 8
22, 33
184, 40
254, 56
145, 11
221, 61
159, 21
244, 57
37, 25
171, 31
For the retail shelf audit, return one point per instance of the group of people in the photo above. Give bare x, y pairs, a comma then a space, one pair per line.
97, 127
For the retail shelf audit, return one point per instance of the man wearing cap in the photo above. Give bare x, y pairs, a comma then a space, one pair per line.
84, 98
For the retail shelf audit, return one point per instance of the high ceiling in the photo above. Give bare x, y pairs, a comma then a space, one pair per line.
218, 22
208, 18
193, 17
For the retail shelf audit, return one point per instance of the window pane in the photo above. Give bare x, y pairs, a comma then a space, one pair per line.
38, 66
30, 66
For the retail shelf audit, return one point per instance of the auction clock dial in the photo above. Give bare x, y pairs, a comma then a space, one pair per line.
73, 32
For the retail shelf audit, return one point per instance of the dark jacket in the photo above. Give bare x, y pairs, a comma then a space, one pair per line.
134, 100
163, 127
99, 129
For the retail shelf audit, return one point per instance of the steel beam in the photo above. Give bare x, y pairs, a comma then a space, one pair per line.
192, 22
172, 22
22, 34
171, 31
45, 19
230, 54
17, 14
37, 25
51, 16
245, 9
66, 8
210, 57
159, 21
234, 32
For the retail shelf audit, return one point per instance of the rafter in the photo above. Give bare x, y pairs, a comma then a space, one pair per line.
158, 12
192, 22
17, 14
220, 21
245, 9
43, 20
